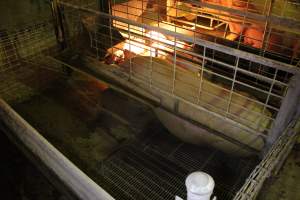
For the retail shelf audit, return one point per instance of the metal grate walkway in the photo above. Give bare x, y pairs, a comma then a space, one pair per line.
156, 169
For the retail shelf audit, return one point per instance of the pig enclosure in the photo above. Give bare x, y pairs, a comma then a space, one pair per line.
138, 94
191, 56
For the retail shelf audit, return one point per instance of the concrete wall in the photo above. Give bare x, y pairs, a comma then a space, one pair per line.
18, 12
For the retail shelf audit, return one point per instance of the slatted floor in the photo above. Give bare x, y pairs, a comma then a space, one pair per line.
150, 164
156, 169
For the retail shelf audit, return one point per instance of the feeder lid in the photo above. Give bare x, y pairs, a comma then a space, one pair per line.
199, 183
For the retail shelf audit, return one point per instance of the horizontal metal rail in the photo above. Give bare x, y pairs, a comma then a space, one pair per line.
117, 78
79, 183
152, 102
246, 72
287, 22
113, 86
227, 50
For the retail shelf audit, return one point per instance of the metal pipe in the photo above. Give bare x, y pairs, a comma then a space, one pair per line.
72, 177
273, 159
58, 23
286, 113
287, 22
230, 51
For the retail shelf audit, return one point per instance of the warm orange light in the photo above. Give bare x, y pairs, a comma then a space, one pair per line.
137, 46
163, 39
158, 46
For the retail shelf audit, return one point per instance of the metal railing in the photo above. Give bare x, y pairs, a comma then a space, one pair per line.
272, 161
244, 89
229, 83
270, 26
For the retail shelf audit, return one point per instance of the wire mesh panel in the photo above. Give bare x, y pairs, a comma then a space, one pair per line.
27, 41
169, 54
270, 164
19, 45
157, 168
268, 28
224, 64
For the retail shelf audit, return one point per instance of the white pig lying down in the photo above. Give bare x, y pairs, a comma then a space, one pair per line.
244, 109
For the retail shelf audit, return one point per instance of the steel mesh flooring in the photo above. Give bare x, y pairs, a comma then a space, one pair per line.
156, 169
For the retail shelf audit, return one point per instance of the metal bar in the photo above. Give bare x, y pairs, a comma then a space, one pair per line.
227, 50
59, 27
174, 68
232, 87
113, 86
286, 111
267, 26
287, 22
104, 69
198, 25
201, 76
274, 157
79, 183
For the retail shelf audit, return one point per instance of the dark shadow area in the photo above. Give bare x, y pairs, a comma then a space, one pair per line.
20, 180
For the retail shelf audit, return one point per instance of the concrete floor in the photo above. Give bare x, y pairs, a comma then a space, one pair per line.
18, 12
286, 185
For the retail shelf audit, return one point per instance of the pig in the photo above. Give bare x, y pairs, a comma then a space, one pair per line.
235, 27
253, 37
253, 33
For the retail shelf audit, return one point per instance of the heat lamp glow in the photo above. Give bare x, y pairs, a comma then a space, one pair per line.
136, 46
163, 39
154, 44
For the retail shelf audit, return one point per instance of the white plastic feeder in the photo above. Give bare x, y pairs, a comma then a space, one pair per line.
199, 186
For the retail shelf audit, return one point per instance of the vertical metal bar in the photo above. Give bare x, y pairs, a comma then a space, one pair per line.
104, 27
151, 69
267, 24
243, 24
151, 60
130, 59
287, 111
111, 34
201, 75
269, 94
232, 86
284, 7
127, 9
174, 69
58, 23
226, 30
